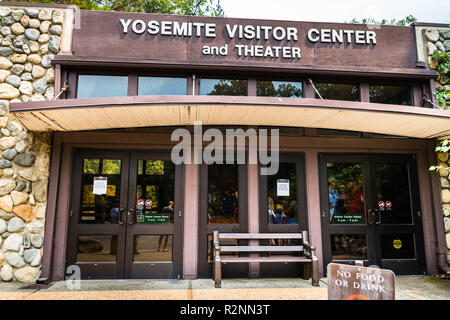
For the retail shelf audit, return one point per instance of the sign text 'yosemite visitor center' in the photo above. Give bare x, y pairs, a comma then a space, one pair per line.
286, 36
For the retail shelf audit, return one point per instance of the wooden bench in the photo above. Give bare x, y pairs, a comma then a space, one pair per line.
307, 252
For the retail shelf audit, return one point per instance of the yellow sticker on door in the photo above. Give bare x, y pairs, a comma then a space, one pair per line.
397, 244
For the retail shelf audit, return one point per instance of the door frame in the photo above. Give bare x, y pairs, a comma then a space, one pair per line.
371, 232
122, 269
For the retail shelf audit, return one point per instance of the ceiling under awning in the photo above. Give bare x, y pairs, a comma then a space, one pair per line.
128, 112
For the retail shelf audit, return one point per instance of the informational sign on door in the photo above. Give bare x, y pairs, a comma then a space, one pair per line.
100, 185
347, 282
283, 188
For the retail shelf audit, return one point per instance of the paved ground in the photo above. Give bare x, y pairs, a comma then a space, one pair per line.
407, 288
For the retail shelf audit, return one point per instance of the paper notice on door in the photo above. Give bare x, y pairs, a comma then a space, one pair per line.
100, 185
283, 188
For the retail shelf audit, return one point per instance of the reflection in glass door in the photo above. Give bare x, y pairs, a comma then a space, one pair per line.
371, 211
283, 210
223, 197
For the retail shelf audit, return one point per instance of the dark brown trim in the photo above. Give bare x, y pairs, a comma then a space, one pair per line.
367, 72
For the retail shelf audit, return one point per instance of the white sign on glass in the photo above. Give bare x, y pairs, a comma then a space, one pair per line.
100, 185
283, 188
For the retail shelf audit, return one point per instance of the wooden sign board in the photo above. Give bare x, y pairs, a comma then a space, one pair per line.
346, 282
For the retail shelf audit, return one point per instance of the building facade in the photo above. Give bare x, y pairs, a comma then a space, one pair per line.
95, 103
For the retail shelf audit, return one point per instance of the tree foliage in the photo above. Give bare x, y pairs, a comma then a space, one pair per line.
183, 7
393, 22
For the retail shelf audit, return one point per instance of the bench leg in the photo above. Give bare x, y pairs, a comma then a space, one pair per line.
306, 271
217, 274
315, 273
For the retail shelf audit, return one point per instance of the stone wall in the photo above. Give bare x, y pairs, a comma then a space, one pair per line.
29, 39
439, 39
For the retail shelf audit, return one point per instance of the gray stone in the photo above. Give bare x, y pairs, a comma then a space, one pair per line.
40, 86
5, 31
5, 235
5, 11
13, 80
25, 159
5, 51
26, 76
16, 225
431, 48
9, 154
35, 227
432, 35
7, 41
445, 34
17, 14
21, 185
45, 14
37, 97
13, 242
21, 146
5, 164
53, 44
8, 172
17, 50
447, 224
32, 257
32, 34
19, 41
3, 226
4, 104
447, 45
26, 88
14, 127
7, 21
15, 260
445, 183
47, 60
6, 215
26, 49
56, 29
37, 241
17, 69
7, 273
5, 132
26, 241
33, 13
28, 67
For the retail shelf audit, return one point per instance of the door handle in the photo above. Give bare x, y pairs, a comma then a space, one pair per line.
369, 214
130, 216
379, 216
121, 210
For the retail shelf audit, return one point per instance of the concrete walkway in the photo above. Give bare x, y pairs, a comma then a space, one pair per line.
407, 288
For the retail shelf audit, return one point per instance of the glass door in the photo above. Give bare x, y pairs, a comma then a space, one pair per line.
223, 207
396, 215
283, 209
97, 230
370, 211
126, 215
153, 245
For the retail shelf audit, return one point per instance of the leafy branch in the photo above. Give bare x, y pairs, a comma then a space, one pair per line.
443, 147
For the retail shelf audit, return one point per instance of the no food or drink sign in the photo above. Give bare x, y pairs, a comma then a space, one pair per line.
346, 282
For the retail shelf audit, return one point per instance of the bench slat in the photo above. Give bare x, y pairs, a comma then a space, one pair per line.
265, 259
260, 236
260, 248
